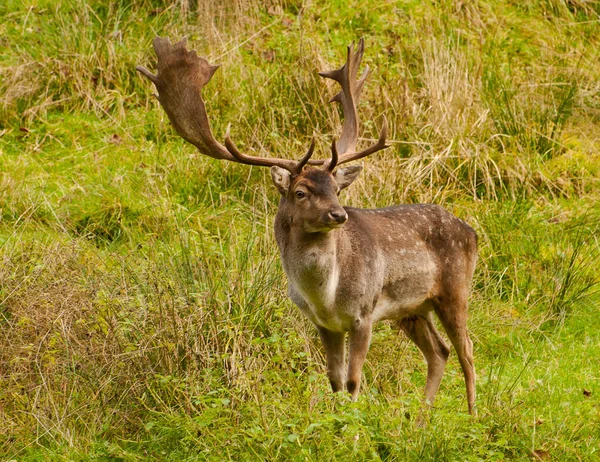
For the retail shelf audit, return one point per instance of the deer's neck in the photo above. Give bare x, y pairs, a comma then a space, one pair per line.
310, 260
306, 249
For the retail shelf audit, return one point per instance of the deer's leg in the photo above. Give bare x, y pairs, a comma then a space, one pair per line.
334, 343
424, 334
359, 340
453, 315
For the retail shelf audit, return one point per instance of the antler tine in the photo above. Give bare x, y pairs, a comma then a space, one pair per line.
179, 80
300, 165
378, 146
334, 158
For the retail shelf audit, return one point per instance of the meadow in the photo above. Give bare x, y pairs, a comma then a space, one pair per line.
143, 307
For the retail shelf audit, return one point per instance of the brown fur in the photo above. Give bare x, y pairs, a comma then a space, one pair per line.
401, 263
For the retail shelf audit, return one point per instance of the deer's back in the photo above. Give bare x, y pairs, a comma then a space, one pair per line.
404, 225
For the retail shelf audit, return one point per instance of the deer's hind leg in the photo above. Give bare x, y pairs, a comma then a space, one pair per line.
424, 334
453, 316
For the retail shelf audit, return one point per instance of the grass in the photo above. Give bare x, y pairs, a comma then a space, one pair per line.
143, 308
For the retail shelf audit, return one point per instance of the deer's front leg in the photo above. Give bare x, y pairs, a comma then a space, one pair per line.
359, 340
334, 343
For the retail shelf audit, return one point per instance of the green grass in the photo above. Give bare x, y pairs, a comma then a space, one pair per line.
143, 308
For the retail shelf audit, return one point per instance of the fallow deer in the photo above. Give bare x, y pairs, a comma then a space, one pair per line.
347, 268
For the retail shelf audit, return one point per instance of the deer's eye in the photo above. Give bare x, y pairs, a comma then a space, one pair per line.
300, 194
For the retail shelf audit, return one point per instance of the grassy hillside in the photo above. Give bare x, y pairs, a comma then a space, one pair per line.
143, 308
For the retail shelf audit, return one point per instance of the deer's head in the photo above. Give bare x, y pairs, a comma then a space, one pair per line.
312, 196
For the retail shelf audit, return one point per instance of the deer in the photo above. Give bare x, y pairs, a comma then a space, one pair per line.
347, 268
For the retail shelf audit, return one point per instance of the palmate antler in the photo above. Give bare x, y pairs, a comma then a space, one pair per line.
182, 74
179, 80
343, 150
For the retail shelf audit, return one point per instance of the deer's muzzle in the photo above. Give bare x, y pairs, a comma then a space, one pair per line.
338, 216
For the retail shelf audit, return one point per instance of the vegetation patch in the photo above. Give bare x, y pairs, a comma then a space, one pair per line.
143, 308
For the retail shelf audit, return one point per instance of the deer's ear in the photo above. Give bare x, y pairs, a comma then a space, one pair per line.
346, 175
282, 179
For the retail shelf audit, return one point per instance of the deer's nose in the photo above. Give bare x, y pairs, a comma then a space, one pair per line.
339, 216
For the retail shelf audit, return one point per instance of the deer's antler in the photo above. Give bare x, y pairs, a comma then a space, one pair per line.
179, 80
182, 74
348, 97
